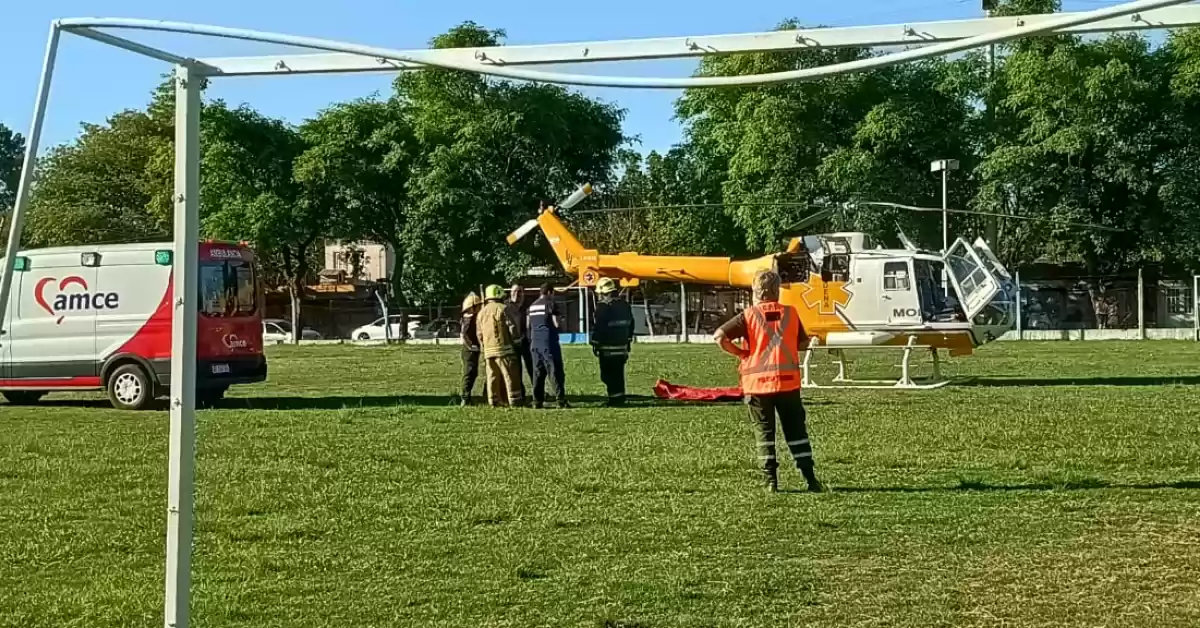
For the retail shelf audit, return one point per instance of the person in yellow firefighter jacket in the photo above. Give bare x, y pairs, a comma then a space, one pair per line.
770, 374
500, 336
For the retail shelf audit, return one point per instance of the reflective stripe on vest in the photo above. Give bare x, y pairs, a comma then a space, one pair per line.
773, 365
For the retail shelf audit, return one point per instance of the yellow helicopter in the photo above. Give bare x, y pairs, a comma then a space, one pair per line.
850, 292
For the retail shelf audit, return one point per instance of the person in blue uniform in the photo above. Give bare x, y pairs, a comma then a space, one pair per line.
544, 324
612, 334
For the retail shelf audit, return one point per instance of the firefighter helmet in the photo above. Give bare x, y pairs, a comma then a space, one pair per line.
606, 286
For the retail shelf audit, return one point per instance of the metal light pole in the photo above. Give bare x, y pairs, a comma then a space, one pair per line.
944, 166
992, 229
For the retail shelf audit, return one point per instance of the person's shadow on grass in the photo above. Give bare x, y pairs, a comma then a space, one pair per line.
968, 486
340, 402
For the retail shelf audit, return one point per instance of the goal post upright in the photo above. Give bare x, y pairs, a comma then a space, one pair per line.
182, 450
938, 38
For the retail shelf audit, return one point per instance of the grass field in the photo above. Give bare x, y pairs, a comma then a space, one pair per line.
1060, 486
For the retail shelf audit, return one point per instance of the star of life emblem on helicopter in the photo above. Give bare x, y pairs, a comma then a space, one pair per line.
825, 296
589, 277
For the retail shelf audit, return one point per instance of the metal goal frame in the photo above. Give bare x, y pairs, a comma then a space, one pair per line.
921, 41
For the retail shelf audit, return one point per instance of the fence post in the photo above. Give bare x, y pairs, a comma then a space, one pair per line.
1020, 324
683, 334
1141, 296
1196, 305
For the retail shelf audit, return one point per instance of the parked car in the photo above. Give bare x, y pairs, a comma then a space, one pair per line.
279, 330
438, 328
376, 331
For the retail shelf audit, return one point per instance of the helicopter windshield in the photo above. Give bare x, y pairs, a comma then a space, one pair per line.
984, 287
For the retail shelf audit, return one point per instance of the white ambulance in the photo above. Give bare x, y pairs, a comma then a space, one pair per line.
99, 318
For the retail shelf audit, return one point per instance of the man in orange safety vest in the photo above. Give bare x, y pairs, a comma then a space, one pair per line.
770, 375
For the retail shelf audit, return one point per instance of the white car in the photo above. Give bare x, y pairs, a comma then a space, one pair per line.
375, 330
439, 328
279, 330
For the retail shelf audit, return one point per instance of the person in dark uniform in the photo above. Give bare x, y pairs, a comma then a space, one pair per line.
545, 321
771, 375
612, 334
470, 347
516, 301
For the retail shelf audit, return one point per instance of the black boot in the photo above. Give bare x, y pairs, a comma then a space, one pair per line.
810, 476
771, 481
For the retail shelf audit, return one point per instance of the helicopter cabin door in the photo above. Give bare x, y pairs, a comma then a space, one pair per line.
898, 294
973, 282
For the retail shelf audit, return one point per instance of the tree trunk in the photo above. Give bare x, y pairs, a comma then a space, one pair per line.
294, 293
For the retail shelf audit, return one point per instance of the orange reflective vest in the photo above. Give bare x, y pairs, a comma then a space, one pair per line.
773, 338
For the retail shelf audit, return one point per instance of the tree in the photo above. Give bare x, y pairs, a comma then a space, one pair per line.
106, 186
685, 215
12, 149
12, 154
862, 136
360, 154
489, 151
248, 192
1083, 130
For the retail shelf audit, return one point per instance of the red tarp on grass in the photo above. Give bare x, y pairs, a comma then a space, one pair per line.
666, 390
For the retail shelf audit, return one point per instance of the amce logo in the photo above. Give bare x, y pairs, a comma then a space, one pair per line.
65, 302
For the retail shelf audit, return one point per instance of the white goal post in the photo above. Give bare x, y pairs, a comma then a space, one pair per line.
925, 40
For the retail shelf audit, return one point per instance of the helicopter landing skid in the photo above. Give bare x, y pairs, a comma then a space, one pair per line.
905, 382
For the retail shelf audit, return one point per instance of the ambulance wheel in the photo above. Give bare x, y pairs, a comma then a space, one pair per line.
364, 336
23, 397
129, 388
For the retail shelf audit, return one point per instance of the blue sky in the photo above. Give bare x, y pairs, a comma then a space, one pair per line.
93, 81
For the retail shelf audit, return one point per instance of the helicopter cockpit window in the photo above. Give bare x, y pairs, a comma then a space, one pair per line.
835, 267
793, 267
896, 277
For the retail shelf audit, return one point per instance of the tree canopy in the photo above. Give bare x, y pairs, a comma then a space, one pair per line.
12, 155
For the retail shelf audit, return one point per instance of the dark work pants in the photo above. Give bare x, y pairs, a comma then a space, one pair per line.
612, 373
548, 361
470, 360
790, 408
527, 362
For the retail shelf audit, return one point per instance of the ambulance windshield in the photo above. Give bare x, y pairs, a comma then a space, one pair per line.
227, 288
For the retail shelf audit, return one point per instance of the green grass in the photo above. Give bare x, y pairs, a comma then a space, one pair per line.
1059, 487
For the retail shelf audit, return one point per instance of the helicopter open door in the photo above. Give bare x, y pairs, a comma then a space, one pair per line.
988, 256
973, 280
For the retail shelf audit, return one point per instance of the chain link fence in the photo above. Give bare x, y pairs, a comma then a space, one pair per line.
1150, 306
1128, 306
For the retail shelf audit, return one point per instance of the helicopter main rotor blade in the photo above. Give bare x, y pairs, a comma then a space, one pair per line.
813, 219
606, 210
522, 231
1067, 223
829, 208
577, 196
